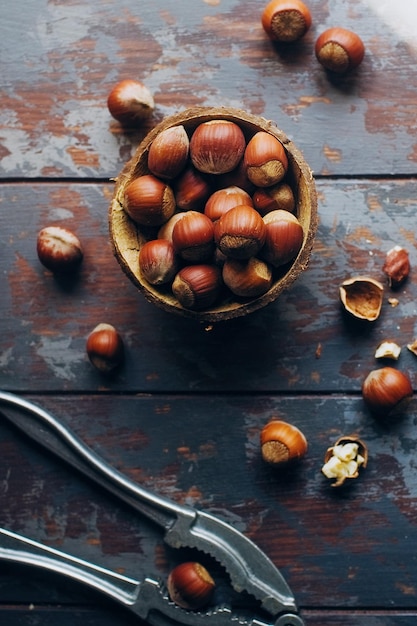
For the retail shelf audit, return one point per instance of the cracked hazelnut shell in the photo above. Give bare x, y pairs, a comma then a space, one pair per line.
362, 297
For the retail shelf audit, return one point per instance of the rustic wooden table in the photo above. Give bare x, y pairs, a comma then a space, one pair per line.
183, 414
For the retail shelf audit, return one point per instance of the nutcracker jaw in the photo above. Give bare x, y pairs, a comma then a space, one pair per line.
249, 569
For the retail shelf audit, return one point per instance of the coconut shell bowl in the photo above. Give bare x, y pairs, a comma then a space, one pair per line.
215, 215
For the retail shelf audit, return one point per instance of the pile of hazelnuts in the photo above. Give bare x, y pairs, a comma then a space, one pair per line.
337, 49
218, 213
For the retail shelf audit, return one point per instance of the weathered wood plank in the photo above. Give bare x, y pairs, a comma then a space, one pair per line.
55, 121
352, 548
302, 342
50, 616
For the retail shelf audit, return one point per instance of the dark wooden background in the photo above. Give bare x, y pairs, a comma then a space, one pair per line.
183, 414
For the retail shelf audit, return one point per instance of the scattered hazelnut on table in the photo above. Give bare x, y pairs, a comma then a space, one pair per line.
339, 50
396, 266
286, 21
387, 391
344, 460
105, 348
282, 442
130, 102
190, 585
59, 249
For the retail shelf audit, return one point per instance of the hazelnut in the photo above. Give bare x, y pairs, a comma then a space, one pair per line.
149, 201
192, 190
279, 196
240, 232
190, 585
168, 153
339, 50
197, 287
286, 20
247, 278
193, 237
225, 199
130, 101
387, 391
283, 238
217, 146
282, 442
105, 348
158, 262
59, 250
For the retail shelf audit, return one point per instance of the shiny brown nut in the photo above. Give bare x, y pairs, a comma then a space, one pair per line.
339, 50
190, 585
105, 348
247, 278
130, 102
191, 189
197, 287
149, 201
225, 199
286, 20
168, 153
280, 196
265, 160
283, 238
158, 261
217, 146
59, 249
282, 442
240, 232
193, 237
387, 391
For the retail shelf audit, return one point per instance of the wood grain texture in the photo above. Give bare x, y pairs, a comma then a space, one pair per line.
55, 83
44, 323
334, 546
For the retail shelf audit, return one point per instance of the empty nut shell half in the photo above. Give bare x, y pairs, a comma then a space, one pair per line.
362, 297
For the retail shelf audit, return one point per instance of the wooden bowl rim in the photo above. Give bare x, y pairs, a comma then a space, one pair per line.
127, 237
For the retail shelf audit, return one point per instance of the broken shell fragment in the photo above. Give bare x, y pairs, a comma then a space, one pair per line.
362, 297
413, 347
388, 350
396, 266
344, 459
